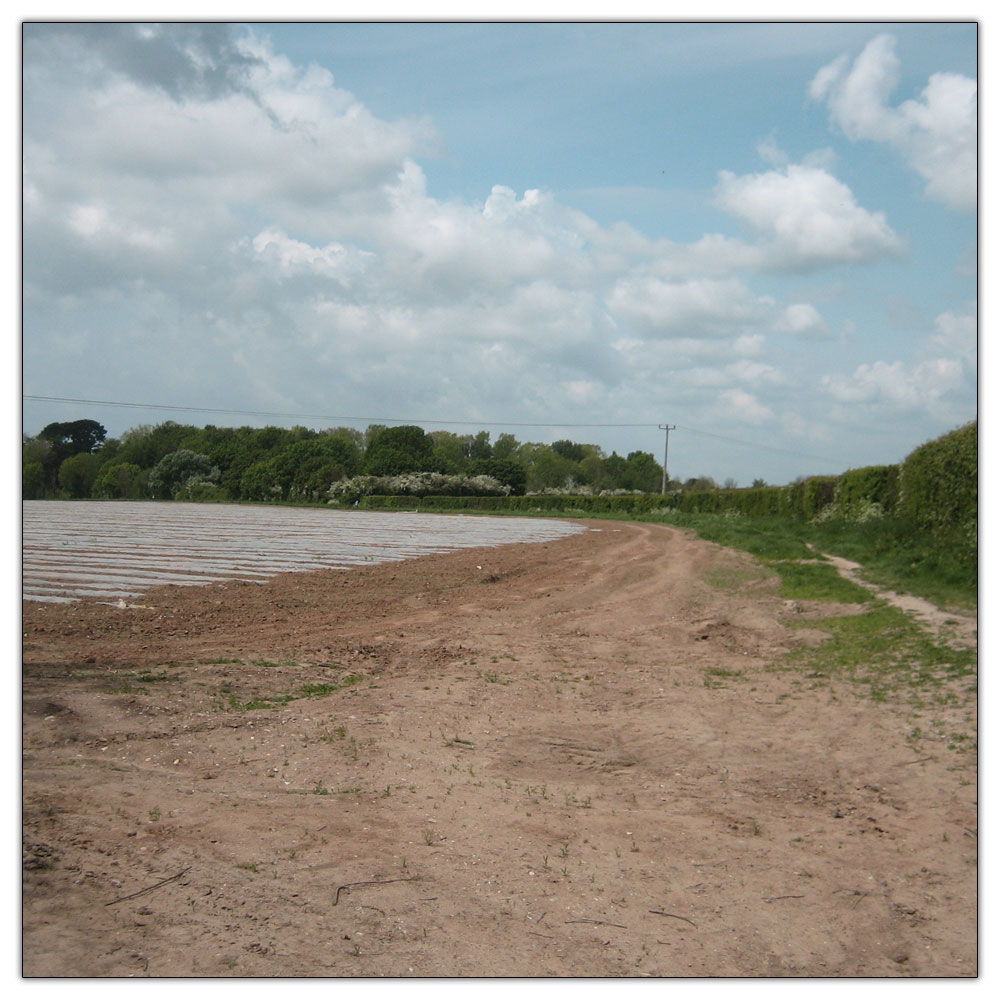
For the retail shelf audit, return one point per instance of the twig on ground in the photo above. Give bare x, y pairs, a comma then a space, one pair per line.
676, 916
377, 881
603, 923
142, 892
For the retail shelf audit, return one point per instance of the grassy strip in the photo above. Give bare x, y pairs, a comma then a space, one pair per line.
888, 655
893, 554
817, 582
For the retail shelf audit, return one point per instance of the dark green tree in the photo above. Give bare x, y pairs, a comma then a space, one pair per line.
75, 436
643, 472
394, 450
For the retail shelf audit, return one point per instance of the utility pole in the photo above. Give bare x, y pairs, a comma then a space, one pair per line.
666, 446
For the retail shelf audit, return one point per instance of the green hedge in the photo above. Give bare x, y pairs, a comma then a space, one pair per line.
939, 482
858, 489
801, 501
637, 503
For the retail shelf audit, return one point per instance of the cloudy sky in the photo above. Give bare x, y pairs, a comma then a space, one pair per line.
762, 234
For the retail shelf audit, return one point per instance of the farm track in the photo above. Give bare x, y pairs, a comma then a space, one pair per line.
577, 757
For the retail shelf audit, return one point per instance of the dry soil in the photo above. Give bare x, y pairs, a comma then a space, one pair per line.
579, 758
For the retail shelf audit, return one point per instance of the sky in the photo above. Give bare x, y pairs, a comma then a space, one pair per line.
763, 235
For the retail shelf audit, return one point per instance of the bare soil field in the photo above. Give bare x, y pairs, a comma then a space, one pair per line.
582, 757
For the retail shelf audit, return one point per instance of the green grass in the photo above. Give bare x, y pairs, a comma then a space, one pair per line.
941, 569
887, 654
259, 702
766, 538
892, 553
818, 581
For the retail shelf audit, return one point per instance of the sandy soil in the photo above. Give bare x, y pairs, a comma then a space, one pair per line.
577, 758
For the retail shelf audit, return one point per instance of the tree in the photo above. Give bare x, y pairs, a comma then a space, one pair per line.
546, 469
569, 449
448, 455
701, 484
643, 472
145, 445
75, 436
78, 473
32, 481
479, 447
302, 471
399, 449
505, 446
120, 481
508, 473
179, 470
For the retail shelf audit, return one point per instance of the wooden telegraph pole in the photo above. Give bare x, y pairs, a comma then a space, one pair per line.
666, 446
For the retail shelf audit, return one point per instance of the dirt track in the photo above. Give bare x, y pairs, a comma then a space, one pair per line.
565, 759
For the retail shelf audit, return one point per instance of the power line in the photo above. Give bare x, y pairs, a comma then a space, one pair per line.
418, 422
319, 416
762, 447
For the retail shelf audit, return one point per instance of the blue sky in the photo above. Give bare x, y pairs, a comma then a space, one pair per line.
764, 234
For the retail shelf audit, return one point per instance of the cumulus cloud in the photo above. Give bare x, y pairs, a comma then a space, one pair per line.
745, 407
806, 218
802, 320
957, 333
901, 385
935, 133
698, 307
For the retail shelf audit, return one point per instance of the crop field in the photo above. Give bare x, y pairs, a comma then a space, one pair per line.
115, 550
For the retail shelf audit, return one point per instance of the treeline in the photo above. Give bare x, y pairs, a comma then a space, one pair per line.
76, 460
932, 494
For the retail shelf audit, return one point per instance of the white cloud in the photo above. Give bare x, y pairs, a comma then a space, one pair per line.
755, 372
803, 320
957, 334
700, 308
935, 133
334, 260
744, 407
805, 218
900, 385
